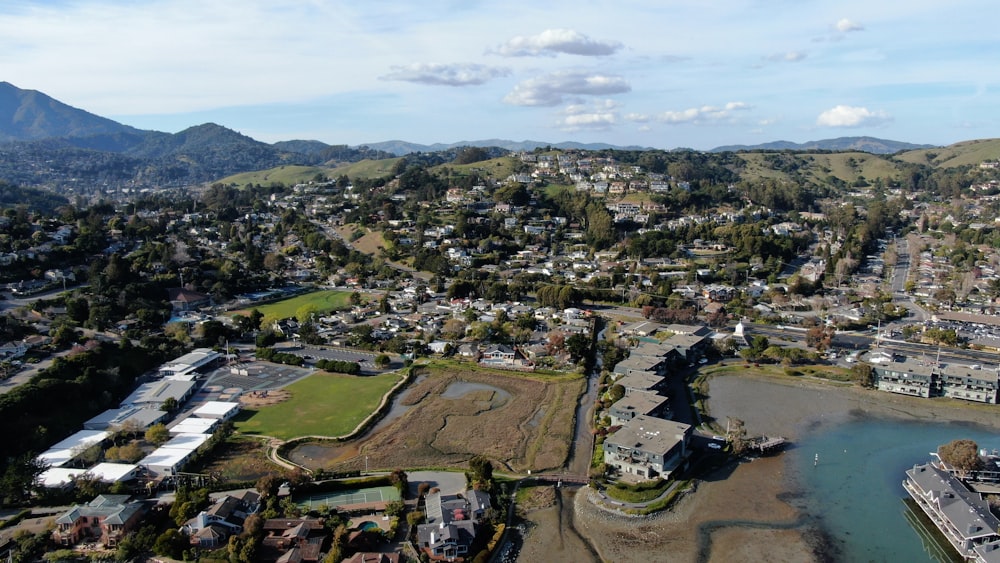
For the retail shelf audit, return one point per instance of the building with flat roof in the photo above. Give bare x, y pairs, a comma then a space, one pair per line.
193, 425
640, 328
68, 449
641, 381
932, 379
905, 378
638, 403
154, 393
190, 363
171, 457
61, 477
218, 410
647, 447
641, 363
137, 417
971, 383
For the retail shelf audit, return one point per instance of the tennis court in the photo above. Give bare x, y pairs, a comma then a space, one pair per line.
350, 497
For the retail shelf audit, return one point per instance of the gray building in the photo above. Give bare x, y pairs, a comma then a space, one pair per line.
964, 517
638, 403
647, 447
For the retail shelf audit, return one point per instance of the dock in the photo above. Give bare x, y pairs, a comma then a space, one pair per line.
766, 444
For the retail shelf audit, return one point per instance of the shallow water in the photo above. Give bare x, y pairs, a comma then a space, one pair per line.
855, 488
460, 389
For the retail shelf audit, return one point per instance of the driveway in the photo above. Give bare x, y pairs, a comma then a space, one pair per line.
450, 482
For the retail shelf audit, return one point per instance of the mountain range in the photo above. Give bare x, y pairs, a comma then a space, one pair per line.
44, 142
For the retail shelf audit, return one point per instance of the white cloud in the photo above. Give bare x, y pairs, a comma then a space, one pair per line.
457, 74
552, 89
789, 57
845, 25
849, 116
598, 116
703, 114
638, 117
553, 41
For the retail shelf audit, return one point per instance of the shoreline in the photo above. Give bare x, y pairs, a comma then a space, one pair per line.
751, 510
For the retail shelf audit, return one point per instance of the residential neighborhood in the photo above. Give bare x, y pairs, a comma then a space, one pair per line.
156, 327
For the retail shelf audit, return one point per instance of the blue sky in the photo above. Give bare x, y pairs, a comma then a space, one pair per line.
665, 74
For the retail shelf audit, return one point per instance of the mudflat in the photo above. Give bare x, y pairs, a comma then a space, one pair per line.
744, 511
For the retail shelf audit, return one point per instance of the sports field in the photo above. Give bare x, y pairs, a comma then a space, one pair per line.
322, 404
322, 302
355, 496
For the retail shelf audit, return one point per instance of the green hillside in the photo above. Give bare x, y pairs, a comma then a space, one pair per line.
366, 168
816, 167
288, 175
496, 167
959, 154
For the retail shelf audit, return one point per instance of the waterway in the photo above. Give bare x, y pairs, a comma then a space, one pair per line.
854, 490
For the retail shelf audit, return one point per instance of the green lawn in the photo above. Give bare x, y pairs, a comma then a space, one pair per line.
322, 404
324, 302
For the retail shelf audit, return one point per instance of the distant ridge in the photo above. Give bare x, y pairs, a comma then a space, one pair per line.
864, 144
401, 148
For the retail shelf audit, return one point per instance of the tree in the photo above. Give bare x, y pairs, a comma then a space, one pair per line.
19, 478
394, 508
169, 404
863, 375
616, 393
819, 337
382, 361
482, 469
157, 434
171, 543
578, 346
268, 485
961, 454
128, 453
415, 518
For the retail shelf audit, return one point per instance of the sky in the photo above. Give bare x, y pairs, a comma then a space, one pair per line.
659, 73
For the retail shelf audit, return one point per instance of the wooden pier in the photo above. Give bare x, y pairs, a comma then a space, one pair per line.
764, 445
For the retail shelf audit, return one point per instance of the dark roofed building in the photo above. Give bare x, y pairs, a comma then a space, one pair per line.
182, 299
451, 524
291, 540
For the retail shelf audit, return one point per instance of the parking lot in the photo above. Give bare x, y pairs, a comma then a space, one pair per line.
257, 375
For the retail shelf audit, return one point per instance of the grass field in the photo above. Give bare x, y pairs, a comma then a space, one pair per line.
323, 301
321, 405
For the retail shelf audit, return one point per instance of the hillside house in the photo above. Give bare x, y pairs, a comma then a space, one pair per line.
106, 519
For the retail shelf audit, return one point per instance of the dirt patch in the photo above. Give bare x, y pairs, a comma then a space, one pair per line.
551, 535
240, 459
532, 429
255, 399
535, 498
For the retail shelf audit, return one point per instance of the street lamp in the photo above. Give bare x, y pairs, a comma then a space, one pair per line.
366, 465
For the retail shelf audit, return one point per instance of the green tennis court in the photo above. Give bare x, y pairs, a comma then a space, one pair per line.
355, 496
